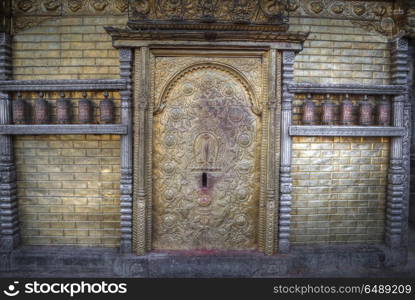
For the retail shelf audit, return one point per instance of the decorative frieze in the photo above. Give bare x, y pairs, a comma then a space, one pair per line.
205, 11
378, 16
29, 13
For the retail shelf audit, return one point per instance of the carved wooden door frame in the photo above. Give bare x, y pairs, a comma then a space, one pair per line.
275, 182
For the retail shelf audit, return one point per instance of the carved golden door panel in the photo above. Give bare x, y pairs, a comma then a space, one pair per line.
206, 155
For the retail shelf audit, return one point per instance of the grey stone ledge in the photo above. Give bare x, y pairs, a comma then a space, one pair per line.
62, 85
63, 129
346, 89
321, 130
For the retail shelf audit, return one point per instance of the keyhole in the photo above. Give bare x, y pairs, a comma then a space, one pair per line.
204, 179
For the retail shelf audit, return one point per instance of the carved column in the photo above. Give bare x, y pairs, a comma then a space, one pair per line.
397, 196
141, 217
10, 235
126, 184
412, 101
270, 206
286, 149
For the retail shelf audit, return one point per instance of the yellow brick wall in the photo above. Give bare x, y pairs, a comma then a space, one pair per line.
68, 189
67, 48
68, 186
339, 187
337, 51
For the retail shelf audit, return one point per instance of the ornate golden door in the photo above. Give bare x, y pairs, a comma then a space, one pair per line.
206, 152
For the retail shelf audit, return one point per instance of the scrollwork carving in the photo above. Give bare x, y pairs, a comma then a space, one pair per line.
256, 106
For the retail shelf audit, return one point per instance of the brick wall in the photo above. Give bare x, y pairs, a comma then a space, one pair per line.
337, 51
67, 48
339, 189
68, 186
68, 189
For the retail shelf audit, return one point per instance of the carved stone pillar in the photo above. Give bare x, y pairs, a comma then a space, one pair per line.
126, 184
5, 56
142, 203
397, 196
10, 235
412, 101
286, 149
270, 206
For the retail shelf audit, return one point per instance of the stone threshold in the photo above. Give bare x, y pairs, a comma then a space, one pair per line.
315, 261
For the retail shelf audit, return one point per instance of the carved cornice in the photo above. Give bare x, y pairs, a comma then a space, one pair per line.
29, 13
196, 35
69, 7
378, 16
389, 18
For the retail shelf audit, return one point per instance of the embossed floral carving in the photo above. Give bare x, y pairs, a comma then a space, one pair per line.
237, 11
99, 5
317, 7
337, 8
371, 15
25, 5
359, 10
122, 5
140, 8
379, 10
207, 125
75, 5
52, 5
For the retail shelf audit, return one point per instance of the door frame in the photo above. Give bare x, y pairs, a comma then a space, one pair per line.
281, 48
143, 82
